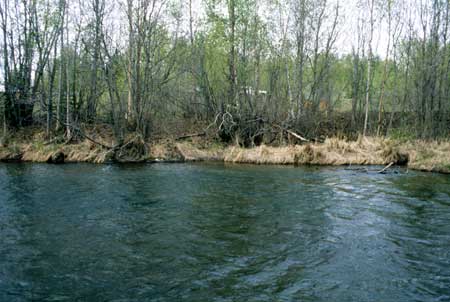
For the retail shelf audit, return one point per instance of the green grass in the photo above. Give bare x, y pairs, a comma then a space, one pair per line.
402, 134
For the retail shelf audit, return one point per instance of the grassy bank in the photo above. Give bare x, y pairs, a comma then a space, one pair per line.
31, 146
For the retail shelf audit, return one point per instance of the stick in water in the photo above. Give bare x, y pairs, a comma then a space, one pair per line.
386, 168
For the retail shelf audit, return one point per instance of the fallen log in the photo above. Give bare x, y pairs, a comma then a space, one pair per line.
296, 135
291, 133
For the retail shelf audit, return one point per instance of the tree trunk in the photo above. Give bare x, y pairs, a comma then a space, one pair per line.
385, 71
232, 54
369, 68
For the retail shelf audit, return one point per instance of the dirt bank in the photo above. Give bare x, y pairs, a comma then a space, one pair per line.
418, 155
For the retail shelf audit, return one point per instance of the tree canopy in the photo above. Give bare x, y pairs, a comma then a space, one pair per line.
248, 67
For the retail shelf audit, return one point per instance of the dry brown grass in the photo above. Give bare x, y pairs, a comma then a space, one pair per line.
419, 155
365, 151
82, 152
165, 150
261, 155
190, 152
428, 156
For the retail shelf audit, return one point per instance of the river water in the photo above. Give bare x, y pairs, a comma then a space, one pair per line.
214, 232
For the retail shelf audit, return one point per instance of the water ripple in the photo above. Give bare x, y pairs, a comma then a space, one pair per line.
211, 232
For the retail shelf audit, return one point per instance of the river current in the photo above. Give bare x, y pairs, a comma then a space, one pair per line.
215, 232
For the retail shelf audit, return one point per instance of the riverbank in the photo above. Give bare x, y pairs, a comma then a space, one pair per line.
417, 155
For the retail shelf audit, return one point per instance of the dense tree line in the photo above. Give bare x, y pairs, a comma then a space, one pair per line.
250, 68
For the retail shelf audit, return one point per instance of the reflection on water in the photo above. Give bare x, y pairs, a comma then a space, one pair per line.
207, 232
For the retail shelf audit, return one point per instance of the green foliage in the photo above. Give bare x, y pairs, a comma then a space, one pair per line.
402, 134
277, 61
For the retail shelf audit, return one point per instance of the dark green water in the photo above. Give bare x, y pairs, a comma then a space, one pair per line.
185, 232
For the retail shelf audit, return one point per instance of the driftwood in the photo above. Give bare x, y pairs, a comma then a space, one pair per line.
386, 168
297, 136
291, 133
364, 169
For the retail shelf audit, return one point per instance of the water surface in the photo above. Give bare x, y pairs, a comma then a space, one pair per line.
213, 232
